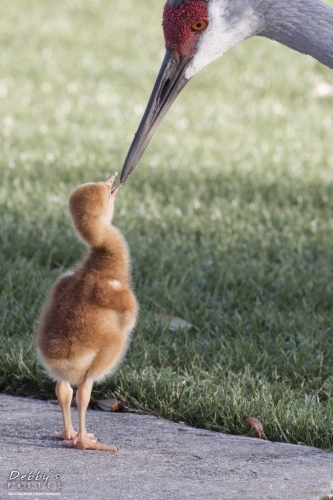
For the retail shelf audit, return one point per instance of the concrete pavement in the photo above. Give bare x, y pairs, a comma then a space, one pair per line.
157, 460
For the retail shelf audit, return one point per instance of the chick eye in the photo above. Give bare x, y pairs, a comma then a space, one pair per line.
199, 25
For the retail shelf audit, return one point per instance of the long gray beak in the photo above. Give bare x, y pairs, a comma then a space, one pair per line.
169, 83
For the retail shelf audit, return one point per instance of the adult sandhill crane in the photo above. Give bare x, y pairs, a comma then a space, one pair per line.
199, 31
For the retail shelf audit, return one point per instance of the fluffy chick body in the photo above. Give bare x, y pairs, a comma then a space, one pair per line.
86, 324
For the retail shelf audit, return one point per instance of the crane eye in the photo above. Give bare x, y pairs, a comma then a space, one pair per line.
199, 25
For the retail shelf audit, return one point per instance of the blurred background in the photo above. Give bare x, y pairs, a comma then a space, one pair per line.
228, 215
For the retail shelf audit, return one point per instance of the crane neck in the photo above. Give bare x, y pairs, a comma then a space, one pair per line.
302, 25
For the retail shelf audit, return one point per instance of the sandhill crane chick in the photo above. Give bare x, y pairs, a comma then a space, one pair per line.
86, 324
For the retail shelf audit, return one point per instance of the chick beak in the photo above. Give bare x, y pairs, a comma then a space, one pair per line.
110, 180
115, 190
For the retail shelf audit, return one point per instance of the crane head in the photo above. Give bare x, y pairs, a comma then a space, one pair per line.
196, 32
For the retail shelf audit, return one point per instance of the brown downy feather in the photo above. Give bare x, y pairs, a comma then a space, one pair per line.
86, 324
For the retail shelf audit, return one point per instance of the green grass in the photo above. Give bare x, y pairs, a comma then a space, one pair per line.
229, 216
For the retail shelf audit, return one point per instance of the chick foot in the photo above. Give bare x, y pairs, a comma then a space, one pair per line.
87, 443
66, 433
69, 434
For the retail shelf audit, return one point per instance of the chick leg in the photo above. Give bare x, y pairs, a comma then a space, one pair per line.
82, 440
64, 394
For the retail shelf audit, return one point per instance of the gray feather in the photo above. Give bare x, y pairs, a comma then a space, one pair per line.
302, 25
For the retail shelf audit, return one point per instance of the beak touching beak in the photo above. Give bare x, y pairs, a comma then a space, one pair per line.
170, 81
